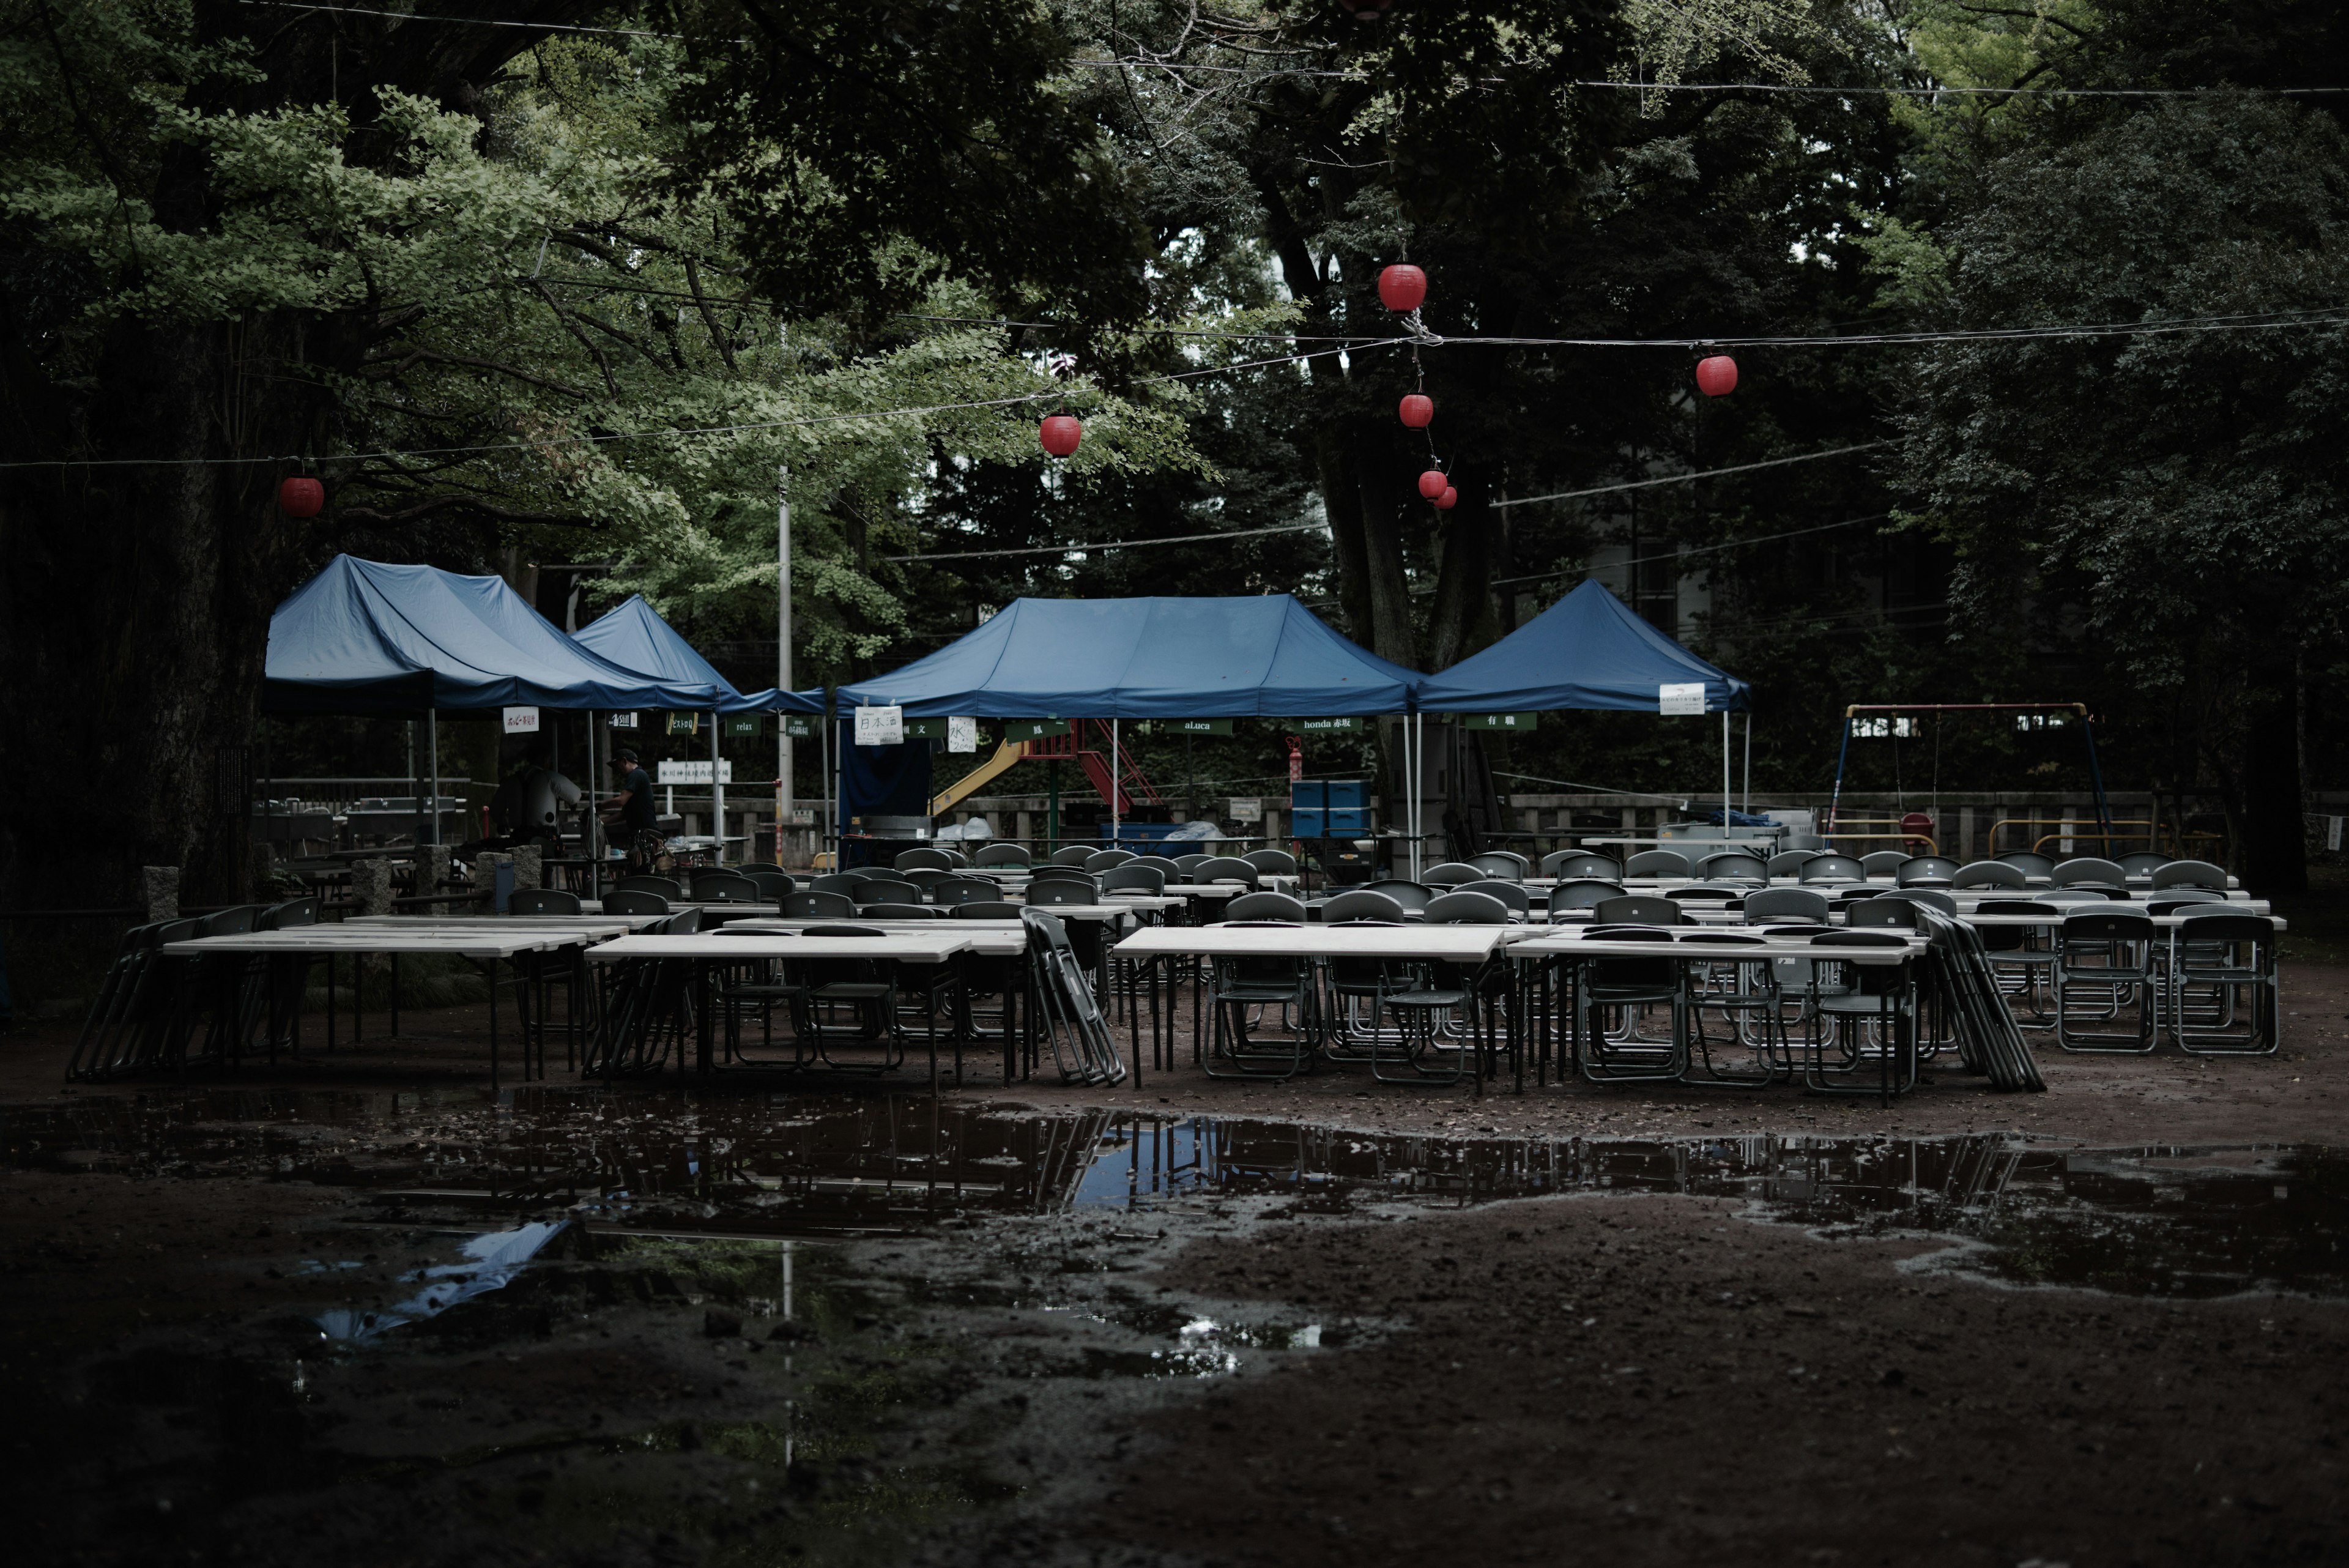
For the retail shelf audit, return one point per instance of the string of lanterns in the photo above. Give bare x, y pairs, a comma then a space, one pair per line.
1403, 289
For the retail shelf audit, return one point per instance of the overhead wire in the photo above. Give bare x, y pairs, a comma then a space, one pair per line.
1688, 478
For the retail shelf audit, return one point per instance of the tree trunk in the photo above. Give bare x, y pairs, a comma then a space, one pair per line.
2276, 847
1458, 623
1389, 587
135, 594
1342, 502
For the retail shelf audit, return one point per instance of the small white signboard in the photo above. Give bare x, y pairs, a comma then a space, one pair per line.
624, 721
693, 773
1680, 700
1247, 810
962, 735
522, 720
880, 726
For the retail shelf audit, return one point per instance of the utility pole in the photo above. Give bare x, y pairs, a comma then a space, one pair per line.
782, 651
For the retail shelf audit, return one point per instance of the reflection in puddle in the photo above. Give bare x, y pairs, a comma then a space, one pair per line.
2152, 1219
492, 1260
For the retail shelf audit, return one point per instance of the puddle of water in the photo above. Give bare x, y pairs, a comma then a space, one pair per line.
2148, 1220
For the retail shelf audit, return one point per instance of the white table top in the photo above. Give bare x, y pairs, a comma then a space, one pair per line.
1458, 944
595, 907
1573, 944
907, 942
472, 941
995, 937
607, 925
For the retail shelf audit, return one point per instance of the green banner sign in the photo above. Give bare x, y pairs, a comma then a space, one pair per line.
685, 723
800, 726
1193, 726
1330, 726
1030, 728
1496, 721
746, 724
926, 729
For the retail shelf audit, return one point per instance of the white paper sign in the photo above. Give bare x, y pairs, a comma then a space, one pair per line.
522, 720
624, 721
1247, 810
962, 735
880, 726
2333, 833
692, 772
1679, 701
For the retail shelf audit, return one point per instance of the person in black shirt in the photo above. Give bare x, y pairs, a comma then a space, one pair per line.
634, 827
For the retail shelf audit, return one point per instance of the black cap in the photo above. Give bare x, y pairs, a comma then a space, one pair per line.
625, 754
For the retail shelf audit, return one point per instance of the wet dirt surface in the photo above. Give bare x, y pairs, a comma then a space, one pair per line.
364, 1310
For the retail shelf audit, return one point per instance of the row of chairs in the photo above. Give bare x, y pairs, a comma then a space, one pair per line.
2013, 871
1081, 856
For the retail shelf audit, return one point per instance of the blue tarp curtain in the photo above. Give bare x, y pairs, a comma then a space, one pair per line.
1588, 651
367, 636
634, 637
1265, 655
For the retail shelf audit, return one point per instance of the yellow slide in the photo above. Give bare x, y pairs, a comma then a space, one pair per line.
1005, 756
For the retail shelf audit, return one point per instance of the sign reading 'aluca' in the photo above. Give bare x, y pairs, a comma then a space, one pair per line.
881, 726
1680, 700
1196, 726
522, 720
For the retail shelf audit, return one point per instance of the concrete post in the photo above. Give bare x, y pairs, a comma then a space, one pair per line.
159, 889
432, 870
530, 868
371, 885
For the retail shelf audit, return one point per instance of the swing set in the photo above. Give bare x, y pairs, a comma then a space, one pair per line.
1912, 827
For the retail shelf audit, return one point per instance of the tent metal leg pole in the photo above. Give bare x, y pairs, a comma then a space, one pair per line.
1116, 789
825, 827
1749, 761
433, 744
1415, 752
1725, 802
591, 839
717, 792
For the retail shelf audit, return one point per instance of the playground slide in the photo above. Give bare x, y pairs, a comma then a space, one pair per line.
1007, 756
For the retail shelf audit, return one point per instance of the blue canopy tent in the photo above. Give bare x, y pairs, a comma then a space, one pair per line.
1589, 650
1260, 656
370, 636
635, 635
367, 636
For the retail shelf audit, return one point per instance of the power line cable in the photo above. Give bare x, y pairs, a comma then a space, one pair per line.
747, 428
1085, 547
1687, 478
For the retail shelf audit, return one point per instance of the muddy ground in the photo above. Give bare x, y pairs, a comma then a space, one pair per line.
1198, 1322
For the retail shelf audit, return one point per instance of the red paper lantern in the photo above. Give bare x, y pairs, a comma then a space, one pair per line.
1416, 410
1432, 483
300, 497
1448, 500
1716, 377
1060, 434
1401, 287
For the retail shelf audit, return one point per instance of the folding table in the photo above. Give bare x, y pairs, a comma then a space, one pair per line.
475, 942
1569, 945
933, 942
1155, 944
